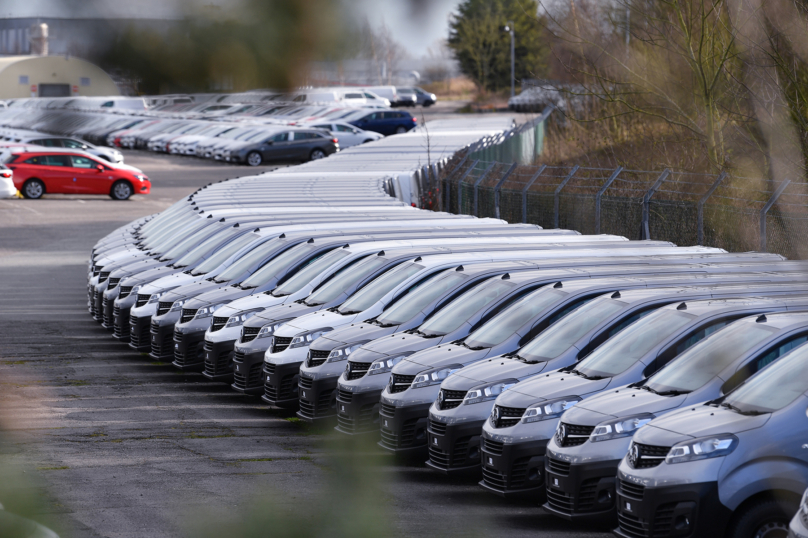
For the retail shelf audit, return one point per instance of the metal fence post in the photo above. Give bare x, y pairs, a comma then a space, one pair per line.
448, 179
526, 187
702, 201
765, 210
499, 186
646, 203
459, 184
556, 202
600, 194
477, 183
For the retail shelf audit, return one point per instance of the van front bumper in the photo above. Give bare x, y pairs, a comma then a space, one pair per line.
140, 333
403, 428
580, 491
513, 470
678, 510
248, 371
454, 448
357, 412
318, 398
189, 349
281, 384
219, 360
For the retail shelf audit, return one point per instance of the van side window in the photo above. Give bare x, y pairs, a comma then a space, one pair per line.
769, 356
598, 339
543, 324
699, 335
496, 309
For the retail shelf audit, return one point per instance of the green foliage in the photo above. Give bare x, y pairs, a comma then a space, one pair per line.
482, 46
253, 44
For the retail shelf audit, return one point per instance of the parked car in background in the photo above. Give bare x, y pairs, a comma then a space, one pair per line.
422, 97
109, 154
347, 135
385, 122
7, 187
73, 172
292, 145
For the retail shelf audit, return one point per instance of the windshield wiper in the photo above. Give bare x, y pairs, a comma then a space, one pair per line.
671, 392
750, 412
272, 293
526, 361
589, 377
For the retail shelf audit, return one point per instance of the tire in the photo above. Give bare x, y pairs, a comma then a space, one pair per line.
400, 130
33, 189
768, 518
121, 190
254, 158
317, 154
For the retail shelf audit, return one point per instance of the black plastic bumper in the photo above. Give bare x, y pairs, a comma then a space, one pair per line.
189, 350
403, 429
140, 333
219, 360
248, 372
107, 307
675, 511
120, 323
162, 341
280, 384
514, 470
454, 448
358, 413
318, 398
579, 492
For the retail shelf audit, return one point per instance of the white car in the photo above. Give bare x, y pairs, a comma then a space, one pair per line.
108, 154
348, 135
7, 188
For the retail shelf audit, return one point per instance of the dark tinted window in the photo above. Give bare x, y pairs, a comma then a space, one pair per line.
33, 160
280, 137
47, 142
75, 144
57, 160
778, 352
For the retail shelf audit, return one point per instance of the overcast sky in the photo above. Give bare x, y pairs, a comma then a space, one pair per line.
416, 24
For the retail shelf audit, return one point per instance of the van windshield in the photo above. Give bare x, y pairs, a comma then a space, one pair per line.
222, 254
197, 252
559, 337
506, 323
702, 362
277, 266
421, 297
774, 388
364, 298
631, 344
248, 260
309, 273
453, 315
344, 280
188, 243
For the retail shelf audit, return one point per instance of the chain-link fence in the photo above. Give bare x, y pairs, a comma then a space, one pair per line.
734, 213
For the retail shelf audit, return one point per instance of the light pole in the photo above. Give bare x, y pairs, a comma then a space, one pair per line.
509, 29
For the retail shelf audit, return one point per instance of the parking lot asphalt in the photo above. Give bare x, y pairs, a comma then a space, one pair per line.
115, 444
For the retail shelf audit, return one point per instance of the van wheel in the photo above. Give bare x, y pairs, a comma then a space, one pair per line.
763, 519
254, 159
121, 190
400, 130
33, 189
317, 154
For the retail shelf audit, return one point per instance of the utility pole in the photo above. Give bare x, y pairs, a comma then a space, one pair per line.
509, 29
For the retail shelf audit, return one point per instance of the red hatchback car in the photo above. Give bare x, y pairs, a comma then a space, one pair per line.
73, 172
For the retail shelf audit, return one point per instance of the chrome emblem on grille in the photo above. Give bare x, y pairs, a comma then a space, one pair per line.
633, 455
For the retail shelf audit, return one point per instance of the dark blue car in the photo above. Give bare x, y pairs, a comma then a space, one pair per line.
386, 122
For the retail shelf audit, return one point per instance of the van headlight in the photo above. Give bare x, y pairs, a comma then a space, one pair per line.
306, 338
341, 353
207, 311
489, 392
176, 305
549, 409
269, 330
383, 366
238, 320
434, 377
702, 448
154, 297
621, 427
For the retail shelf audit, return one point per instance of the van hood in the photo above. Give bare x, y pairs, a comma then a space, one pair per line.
189, 290
439, 356
400, 342
552, 385
314, 321
284, 311
699, 421
489, 370
355, 332
621, 402
224, 294
257, 300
